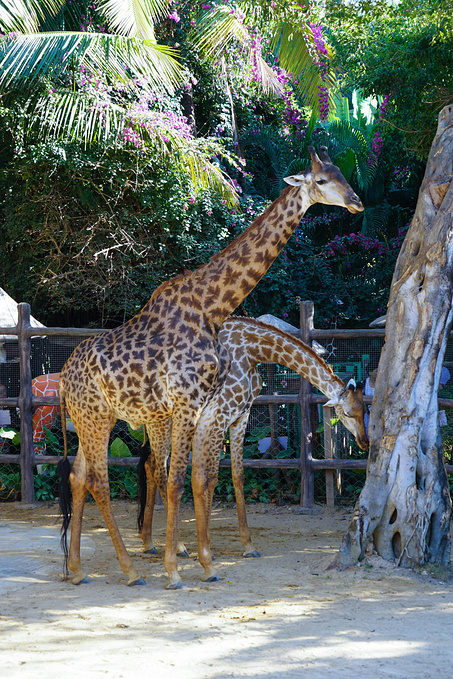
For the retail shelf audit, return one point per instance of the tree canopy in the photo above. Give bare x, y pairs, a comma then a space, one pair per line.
140, 137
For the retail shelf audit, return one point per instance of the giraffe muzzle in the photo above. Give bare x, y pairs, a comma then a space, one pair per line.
355, 204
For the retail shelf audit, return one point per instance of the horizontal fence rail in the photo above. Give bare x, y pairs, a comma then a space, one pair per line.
306, 464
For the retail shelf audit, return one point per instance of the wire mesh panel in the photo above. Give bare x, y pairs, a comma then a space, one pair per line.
274, 436
355, 358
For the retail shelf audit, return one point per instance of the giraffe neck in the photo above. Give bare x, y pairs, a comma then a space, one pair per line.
264, 344
231, 275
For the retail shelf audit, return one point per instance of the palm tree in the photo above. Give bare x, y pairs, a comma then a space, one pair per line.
296, 43
44, 51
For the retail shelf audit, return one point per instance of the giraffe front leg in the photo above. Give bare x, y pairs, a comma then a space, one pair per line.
159, 435
237, 433
182, 434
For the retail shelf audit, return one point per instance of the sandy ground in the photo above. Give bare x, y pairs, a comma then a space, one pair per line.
278, 617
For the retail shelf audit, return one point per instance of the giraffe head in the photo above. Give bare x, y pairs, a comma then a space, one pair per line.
324, 183
350, 409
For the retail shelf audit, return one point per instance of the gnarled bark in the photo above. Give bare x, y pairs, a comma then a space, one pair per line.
405, 502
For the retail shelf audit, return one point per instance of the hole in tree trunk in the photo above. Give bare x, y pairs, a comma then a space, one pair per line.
419, 481
415, 248
396, 545
394, 516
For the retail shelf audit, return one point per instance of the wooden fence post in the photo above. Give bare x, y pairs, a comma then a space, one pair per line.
25, 404
307, 496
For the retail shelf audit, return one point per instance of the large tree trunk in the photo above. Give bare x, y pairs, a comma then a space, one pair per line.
405, 502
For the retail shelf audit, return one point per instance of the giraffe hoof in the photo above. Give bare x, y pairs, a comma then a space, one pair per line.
184, 554
255, 554
176, 585
152, 550
83, 581
212, 578
137, 581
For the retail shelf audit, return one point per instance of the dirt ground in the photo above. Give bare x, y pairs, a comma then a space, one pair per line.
282, 616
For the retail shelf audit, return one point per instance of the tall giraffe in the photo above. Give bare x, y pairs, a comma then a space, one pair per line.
166, 360
248, 342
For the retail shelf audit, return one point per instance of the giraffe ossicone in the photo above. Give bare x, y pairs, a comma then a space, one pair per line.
166, 361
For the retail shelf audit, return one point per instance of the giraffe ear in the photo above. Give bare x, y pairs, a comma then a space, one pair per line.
295, 179
333, 402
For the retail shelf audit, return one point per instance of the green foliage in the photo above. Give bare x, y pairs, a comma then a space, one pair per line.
11, 434
119, 449
123, 483
46, 483
98, 230
9, 483
88, 233
403, 49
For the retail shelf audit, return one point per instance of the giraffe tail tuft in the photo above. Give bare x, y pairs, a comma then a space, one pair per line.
64, 492
65, 501
142, 485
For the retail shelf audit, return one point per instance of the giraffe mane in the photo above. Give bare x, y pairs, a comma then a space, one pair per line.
266, 326
168, 283
256, 222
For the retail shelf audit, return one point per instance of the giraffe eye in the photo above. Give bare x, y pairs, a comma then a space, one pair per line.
321, 181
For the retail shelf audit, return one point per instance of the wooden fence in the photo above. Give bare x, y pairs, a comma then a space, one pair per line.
306, 399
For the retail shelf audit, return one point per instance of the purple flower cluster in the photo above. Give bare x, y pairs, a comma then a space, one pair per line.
318, 39
88, 21
293, 116
340, 245
318, 55
400, 177
378, 142
149, 116
256, 55
323, 98
157, 124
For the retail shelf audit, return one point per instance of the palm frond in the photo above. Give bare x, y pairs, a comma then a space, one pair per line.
344, 135
24, 16
375, 219
207, 174
76, 115
27, 57
216, 29
366, 174
280, 161
192, 157
295, 50
134, 18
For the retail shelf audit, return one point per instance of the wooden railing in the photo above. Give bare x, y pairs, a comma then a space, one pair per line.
306, 399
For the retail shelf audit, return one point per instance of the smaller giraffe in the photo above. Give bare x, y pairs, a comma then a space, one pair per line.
248, 342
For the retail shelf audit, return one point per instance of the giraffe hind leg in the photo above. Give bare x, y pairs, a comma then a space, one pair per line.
237, 433
79, 492
90, 474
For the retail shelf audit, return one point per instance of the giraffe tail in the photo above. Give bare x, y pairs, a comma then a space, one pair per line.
64, 494
142, 485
